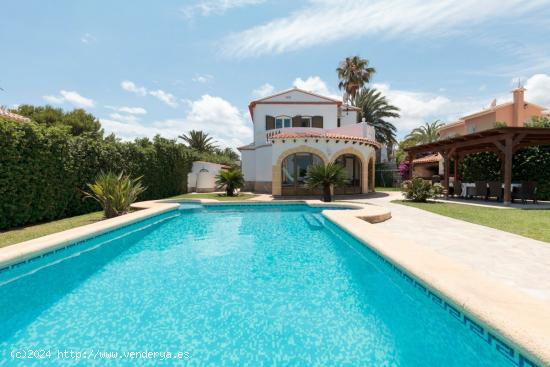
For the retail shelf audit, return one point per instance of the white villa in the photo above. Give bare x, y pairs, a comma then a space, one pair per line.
295, 129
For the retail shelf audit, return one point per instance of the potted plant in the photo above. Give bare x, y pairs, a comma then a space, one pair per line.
325, 177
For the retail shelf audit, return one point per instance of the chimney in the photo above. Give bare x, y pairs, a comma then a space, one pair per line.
518, 118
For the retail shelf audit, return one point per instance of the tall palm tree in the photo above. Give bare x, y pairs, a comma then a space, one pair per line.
199, 141
353, 73
426, 133
376, 109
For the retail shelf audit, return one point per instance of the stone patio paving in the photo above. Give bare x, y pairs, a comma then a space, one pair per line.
517, 261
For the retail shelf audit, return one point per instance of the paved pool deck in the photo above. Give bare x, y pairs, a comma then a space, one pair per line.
519, 262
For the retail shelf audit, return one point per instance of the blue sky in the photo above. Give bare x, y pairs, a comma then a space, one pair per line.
167, 67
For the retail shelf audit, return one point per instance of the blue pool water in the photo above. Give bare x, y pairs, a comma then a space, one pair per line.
230, 285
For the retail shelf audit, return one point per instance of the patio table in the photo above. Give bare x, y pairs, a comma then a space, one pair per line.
469, 187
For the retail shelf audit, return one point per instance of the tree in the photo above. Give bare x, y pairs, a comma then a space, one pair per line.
228, 153
230, 180
376, 109
427, 133
325, 177
78, 120
353, 73
199, 141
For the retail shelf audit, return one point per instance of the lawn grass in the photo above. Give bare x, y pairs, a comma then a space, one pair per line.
28, 233
382, 189
533, 223
215, 196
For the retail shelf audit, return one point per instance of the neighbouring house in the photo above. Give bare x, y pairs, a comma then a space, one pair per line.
12, 116
202, 177
516, 113
295, 129
512, 114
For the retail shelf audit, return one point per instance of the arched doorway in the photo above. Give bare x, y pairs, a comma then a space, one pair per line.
293, 173
352, 168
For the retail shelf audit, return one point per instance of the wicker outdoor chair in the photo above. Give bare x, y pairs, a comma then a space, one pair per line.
528, 191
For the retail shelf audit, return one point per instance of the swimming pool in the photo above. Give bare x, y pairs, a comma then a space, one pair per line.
233, 285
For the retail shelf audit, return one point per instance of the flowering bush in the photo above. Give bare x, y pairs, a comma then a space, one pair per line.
404, 170
420, 190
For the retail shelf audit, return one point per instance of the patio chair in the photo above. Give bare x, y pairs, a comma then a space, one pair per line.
528, 191
457, 188
481, 189
495, 190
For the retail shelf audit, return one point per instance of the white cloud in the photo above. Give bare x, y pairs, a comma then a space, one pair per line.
71, 97
263, 91
538, 90
130, 86
203, 78
124, 118
53, 99
209, 7
214, 115
161, 95
316, 85
325, 21
130, 110
88, 38
165, 97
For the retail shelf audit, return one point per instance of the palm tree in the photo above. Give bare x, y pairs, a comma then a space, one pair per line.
199, 141
230, 180
325, 177
427, 133
376, 109
353, 73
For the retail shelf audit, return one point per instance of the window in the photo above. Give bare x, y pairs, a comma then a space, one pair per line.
305, 121
282, 121
338, 122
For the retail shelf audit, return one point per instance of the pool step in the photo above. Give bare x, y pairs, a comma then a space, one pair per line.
314, 220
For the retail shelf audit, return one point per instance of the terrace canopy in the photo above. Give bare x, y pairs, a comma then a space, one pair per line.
502, 141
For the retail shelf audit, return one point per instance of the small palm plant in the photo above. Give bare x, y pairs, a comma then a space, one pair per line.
230, 180
115, 193
325, 177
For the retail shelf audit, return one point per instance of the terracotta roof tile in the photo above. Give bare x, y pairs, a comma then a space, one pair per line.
432, 158
322, 135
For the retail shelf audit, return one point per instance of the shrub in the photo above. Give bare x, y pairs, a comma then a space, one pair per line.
43, 168
325, 177
115, 193
420, 190
230, 180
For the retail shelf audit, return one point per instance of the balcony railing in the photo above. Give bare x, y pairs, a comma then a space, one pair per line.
361, 130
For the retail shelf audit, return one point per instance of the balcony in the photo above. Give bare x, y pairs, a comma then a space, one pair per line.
357, 130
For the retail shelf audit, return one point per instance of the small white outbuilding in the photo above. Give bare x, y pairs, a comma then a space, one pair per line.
202, 177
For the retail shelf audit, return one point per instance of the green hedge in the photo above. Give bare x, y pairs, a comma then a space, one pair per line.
43, 168
531, 164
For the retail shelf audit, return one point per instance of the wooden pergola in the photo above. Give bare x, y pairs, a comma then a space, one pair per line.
502, 141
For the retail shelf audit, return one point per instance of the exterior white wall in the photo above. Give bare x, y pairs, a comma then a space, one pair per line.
248, 164
332, 149
263, 168
202, 177
328, 111
348, 118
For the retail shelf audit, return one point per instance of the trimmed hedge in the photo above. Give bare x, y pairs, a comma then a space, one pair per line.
43, 168
530, 164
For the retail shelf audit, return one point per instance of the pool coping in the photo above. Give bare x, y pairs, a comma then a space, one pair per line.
518, 318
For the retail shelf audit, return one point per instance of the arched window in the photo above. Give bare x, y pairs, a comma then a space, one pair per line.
352, 169
293, 173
